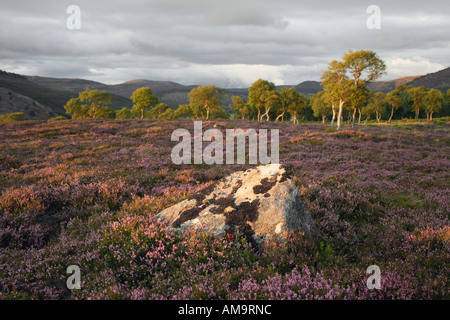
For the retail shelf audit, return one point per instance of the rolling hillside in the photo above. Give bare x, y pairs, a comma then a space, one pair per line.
46, 93
11, 101
387, 86
438, 80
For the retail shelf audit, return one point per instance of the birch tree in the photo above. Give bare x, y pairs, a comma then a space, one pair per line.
258, 95
143, 98
393, 99
417, 97
206, 99
433, 102
344, 79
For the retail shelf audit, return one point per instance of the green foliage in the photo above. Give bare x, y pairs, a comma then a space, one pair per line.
292, 102
394, 100
402, 91
159, 109
377, 104
364, 65
345, 81
338, 87
57, 118
169, 113
123, 113
261, 95
241, 107
368, 110
219, 113
205, 102
15, 116
143, 98
433, 102
417, 97
90, 104
320, 106
183, 111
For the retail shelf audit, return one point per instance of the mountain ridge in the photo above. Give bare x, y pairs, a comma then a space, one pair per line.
52, 93
437, 80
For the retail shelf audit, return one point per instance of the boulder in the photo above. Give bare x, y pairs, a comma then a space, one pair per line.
258, 203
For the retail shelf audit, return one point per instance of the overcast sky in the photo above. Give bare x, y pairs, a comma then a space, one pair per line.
228, 43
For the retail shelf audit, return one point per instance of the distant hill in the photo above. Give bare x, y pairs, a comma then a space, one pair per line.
9, 76
437, 80
49, 95
170, 93
388, 86
15, 87
309, 88
11, 101
68, 85
74, 86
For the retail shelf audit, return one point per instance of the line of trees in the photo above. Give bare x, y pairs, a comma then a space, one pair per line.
266, 103
204, 103
345, 89
345, 94
403, 100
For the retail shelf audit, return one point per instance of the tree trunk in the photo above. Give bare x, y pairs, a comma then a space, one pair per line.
207, 113
323, 119
280, 116
334, 114
339, 118
431, 116
359, 116
259, 114
392, 114
142, 113
266, 114
354, 116
417, 115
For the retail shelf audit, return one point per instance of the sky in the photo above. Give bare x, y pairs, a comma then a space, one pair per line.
227, 43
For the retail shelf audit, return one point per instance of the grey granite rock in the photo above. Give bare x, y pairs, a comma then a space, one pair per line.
259, 203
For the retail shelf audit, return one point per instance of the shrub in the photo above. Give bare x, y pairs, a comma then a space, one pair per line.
59, 118
15, 116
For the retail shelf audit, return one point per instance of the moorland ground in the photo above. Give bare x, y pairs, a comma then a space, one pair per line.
83, 192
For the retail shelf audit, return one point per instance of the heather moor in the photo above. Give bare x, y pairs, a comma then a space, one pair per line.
84, 192
284, 150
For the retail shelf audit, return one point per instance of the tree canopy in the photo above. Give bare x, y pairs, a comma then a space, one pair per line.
143, 98
344, 80
261, 95
90, 104
205, 101
433, 102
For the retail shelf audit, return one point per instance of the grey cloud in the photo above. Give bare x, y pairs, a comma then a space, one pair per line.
243, 13
221, 42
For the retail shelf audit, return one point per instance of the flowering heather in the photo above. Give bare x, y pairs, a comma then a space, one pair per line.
86, 192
